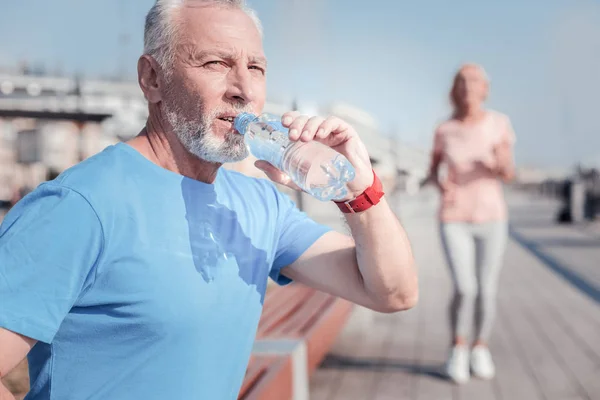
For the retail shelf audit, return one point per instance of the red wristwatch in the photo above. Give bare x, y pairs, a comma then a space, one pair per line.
370, 197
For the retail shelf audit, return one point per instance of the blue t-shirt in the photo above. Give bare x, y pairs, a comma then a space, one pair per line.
139, 283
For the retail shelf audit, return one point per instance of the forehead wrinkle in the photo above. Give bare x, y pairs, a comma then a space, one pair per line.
192, 53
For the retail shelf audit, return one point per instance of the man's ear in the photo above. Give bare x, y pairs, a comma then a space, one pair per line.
148, 78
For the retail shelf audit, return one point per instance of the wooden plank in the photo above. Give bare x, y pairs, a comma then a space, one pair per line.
355, 384
279, 296
322, 335
581, 365
571, 310
398, 381
314, 316
566, 320
566, 248
378, 362
579, 326
575, 363
434, 331
326, 380
323, 383
271, 379
256, 368
550, 377
514, 378
283, 308
581, 330
306, 314
477, 389
432, 350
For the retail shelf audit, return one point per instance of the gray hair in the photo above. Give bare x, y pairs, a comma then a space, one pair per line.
160, 33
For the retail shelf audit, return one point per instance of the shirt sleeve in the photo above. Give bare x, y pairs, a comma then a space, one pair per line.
297, 232
50, 243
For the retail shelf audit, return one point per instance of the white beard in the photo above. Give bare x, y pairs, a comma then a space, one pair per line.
198, 138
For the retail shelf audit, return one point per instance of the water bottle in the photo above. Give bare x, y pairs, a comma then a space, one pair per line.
315, 168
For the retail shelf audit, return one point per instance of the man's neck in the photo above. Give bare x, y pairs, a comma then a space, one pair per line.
164, 149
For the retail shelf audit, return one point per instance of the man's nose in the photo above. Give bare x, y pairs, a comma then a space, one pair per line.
240, 87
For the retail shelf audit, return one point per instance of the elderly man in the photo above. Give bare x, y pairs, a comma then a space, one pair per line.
140, 273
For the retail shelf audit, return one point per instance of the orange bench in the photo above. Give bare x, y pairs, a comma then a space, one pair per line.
268, 377
296, 330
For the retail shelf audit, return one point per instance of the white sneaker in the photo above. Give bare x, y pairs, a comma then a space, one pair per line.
481, 363
457, 366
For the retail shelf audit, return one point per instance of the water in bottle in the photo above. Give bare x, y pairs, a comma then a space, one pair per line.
317, 169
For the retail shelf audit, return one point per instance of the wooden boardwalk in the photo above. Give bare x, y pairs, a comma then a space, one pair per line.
546, 342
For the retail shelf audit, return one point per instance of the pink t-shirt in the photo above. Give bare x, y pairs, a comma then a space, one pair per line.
476, 194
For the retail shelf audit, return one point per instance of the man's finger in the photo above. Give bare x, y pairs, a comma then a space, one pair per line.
276, 175
310, 129
297, 127
289, 117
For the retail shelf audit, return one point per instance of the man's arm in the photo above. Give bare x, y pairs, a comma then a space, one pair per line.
13, 349
374, 268
42, 275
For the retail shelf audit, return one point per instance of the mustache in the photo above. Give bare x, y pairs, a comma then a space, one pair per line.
233, 109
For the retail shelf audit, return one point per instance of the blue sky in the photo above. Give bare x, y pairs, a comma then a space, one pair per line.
394, 58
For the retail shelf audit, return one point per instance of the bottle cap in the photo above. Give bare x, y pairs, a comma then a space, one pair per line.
241, 122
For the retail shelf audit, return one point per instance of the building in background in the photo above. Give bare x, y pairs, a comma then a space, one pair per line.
48, 124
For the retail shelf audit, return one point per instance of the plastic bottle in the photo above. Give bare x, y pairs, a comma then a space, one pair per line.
315, 168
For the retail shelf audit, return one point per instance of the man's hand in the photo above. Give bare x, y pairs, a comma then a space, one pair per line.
375, 267
332, 132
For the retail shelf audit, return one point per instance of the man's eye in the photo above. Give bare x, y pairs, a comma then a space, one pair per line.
257, 68
215, 64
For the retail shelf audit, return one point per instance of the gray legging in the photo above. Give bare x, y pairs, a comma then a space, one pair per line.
475, 255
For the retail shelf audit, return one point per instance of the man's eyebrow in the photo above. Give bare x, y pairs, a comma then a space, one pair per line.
198, 55
260, 60
194, 54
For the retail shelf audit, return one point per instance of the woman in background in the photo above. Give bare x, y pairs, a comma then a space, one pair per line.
475, 145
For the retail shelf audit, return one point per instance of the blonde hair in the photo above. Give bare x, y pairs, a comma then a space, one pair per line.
453, 94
